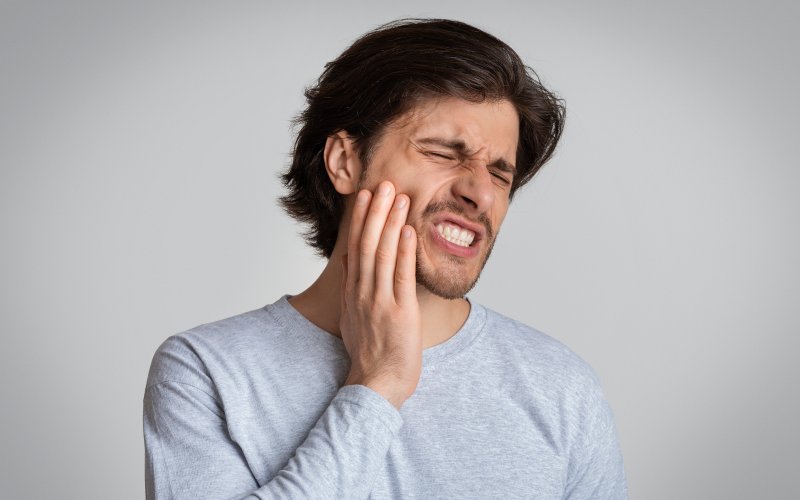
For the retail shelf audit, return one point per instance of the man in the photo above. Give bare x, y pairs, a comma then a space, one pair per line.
381, 379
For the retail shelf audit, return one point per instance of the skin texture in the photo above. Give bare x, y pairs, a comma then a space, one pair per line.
393, 286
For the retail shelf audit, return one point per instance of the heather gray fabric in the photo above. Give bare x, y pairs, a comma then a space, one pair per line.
252, 407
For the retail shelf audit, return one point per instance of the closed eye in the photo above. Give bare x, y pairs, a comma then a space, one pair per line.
501, 178
439, 155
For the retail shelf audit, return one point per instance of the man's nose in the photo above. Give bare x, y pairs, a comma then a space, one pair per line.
474, 189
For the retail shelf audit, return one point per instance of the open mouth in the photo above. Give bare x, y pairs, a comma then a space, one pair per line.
455, 239
455, 234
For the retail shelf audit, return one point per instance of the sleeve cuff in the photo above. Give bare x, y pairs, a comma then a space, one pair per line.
370, 401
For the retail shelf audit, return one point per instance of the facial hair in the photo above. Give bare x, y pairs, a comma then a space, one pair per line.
444, 284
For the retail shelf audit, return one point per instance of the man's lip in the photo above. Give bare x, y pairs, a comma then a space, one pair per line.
476, 228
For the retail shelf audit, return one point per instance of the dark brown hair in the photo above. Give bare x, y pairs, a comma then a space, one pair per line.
383, 75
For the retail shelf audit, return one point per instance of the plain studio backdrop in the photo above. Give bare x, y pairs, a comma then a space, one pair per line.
140, 144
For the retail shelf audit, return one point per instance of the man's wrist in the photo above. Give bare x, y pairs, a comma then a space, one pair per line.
388, 391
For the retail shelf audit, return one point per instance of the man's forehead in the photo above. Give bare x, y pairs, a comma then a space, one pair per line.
462, 125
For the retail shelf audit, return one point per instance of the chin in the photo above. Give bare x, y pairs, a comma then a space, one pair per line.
449, 280
443, 285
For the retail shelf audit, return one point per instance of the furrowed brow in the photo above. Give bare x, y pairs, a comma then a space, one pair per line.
456, 145
461, 148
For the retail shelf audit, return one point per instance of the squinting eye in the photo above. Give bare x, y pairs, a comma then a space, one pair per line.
439, 155
501, 178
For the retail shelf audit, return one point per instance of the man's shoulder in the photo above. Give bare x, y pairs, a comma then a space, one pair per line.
537, 354
186, 357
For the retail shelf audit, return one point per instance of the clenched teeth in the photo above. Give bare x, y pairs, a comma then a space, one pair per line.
455, 234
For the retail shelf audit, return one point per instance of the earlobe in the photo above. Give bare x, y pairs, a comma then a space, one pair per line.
342, 162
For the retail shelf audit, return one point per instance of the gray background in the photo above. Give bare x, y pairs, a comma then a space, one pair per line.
140, 142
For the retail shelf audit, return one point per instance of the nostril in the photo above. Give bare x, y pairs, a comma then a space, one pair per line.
470, 202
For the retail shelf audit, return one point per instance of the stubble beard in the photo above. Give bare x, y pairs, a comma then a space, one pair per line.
448, 285
451, 283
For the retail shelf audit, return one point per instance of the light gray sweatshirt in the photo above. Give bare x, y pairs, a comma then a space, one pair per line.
253, 407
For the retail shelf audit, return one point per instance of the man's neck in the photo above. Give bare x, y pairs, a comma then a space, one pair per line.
320, 304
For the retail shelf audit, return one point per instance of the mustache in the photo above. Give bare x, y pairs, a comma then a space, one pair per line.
451, 206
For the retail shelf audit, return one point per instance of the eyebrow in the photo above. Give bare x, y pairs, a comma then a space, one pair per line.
461, 148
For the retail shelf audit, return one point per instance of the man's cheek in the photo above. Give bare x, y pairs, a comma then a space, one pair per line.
415, 210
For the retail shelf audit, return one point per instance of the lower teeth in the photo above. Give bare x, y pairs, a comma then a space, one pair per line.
457, 242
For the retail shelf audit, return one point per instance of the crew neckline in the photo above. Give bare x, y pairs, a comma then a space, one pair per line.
325, 342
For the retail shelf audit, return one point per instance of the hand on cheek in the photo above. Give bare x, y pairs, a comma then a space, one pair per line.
380, 320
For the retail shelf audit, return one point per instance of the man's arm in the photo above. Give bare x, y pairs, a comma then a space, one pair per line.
595, 469
189, 453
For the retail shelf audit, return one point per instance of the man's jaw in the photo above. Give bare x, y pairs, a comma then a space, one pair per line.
448, 268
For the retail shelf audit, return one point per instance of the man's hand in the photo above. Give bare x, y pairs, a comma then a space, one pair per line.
380, 317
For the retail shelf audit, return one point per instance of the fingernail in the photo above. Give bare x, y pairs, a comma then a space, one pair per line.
400, 202
406, 232
362, 197
383, 190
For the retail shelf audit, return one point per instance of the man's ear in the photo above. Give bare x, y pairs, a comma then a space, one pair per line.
342, 162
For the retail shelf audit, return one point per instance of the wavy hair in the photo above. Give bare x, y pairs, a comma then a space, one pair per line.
384, 74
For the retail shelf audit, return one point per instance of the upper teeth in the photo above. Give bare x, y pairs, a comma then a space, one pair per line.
455, 234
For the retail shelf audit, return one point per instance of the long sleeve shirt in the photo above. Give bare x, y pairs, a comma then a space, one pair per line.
253, 407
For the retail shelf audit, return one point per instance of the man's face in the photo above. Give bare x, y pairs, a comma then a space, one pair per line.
455, 160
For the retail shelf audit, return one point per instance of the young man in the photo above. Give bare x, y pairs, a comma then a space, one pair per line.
382, 380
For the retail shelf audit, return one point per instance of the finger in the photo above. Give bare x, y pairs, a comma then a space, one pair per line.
405, 276
356, 226
386, 254
371, 235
